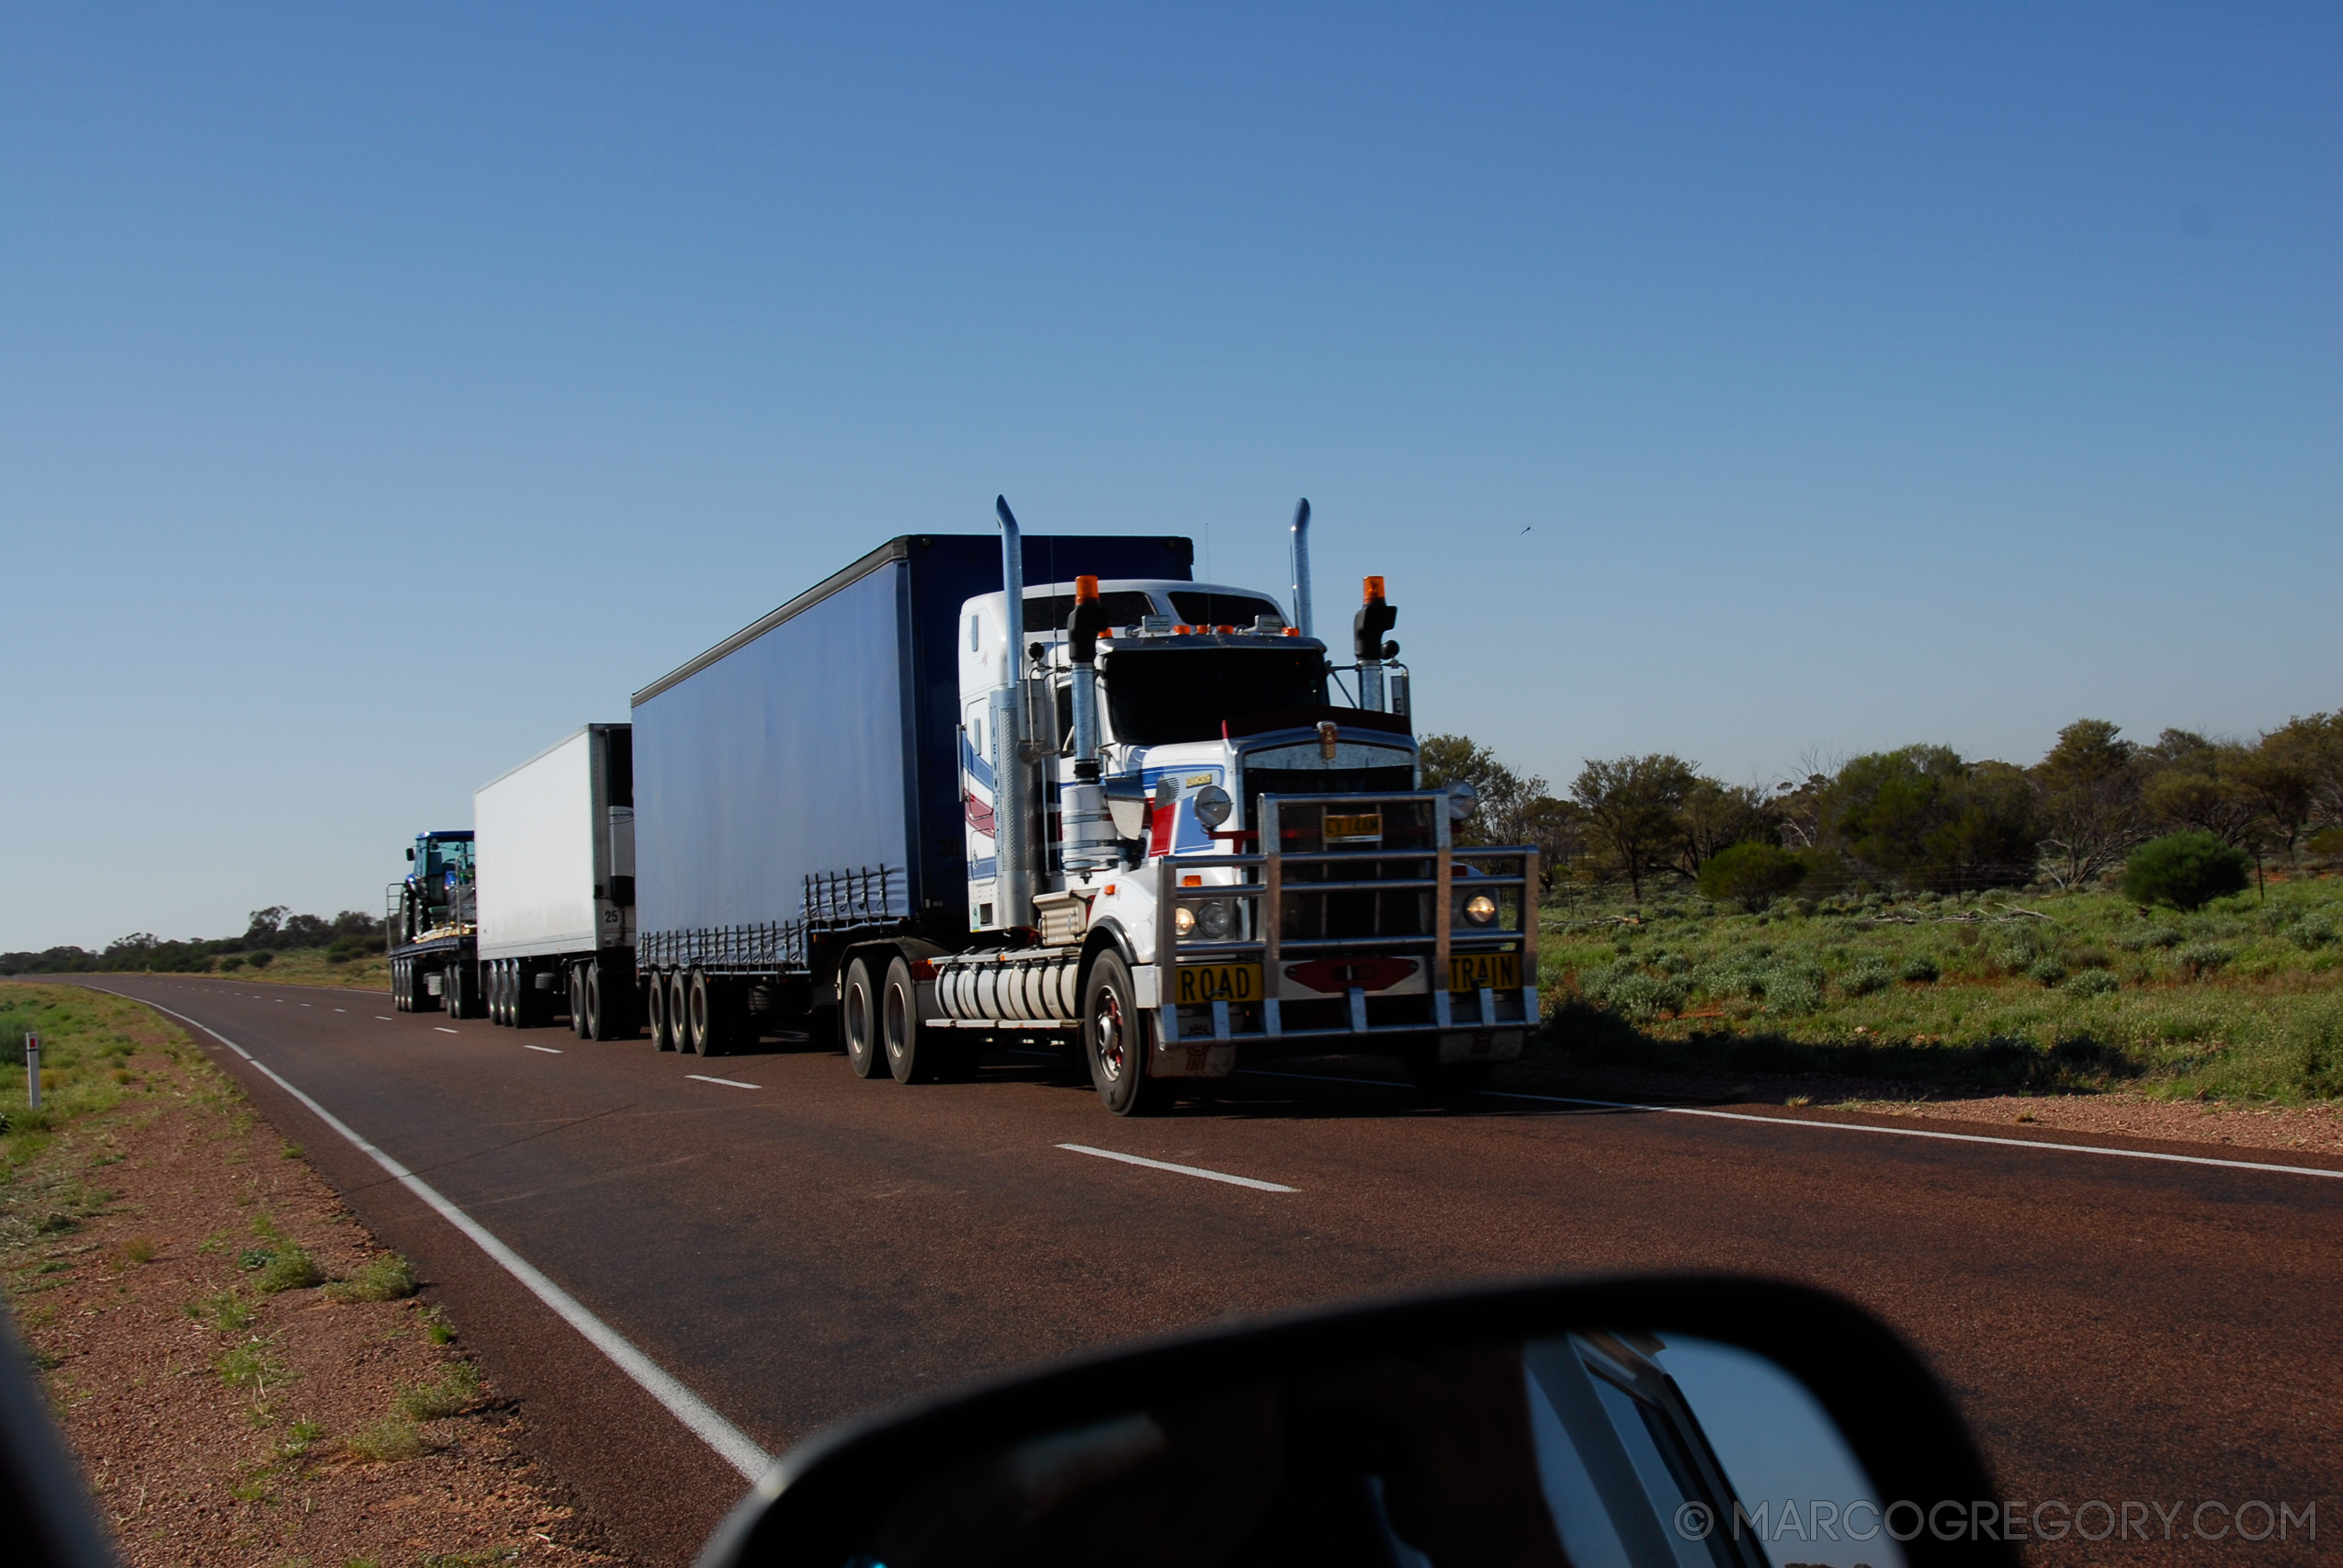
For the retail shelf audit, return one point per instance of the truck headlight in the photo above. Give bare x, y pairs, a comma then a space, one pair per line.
1183, 918
1214, 918
1464, 799
1480, 908
1212, 805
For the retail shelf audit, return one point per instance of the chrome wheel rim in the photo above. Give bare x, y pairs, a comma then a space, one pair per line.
1107, 1034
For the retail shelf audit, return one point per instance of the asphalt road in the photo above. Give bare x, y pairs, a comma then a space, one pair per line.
817, 1246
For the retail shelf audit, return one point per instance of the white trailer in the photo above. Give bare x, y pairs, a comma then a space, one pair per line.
554, 846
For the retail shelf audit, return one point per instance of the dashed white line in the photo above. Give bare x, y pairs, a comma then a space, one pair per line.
385, 1018
732, 1445
727, 1083
1181, 1169
2039, 1145
549, 1050
341, 1009
444, 1029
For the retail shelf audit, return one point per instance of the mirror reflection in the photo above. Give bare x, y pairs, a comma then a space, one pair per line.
1592, 1449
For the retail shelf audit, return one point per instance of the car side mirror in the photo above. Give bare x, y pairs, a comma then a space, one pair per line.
1657, 1423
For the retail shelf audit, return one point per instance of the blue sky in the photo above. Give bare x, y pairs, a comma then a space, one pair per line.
385, 393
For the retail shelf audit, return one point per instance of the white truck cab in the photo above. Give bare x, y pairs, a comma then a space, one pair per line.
1187, 761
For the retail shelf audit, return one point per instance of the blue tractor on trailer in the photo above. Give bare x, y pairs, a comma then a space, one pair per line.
432, 937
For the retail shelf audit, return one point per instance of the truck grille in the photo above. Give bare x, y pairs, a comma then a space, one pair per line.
1407, 831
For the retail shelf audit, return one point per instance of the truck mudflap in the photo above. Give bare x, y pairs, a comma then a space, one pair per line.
1483, 1023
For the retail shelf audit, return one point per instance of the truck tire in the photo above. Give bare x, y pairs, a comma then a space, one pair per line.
859, 1021
654, 996
1115, 1038
492, 982
597, 1019
915, 1054
574, 976
679, 1008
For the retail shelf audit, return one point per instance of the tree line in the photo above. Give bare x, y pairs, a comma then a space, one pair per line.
350, 934
1917, 818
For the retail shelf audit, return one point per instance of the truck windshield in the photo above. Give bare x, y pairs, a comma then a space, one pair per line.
1158, 695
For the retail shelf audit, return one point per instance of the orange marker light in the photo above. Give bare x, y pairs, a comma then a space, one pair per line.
1375, 591
1292, 631
1086, 591
1225, 631
1191, 881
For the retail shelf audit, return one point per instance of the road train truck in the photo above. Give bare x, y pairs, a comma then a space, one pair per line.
974, 791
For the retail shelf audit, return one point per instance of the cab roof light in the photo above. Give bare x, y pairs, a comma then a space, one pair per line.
1085, 591
1375, 591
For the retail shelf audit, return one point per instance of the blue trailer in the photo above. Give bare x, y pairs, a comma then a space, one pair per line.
797, 786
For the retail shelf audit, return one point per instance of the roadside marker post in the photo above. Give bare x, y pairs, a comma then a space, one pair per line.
32, 1070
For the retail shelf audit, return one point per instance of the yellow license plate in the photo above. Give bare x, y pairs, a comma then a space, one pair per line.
1368, 825
1201, 983
1497, 971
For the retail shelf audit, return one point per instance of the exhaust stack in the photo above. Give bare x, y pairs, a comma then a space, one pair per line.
1302, 566
1012, 791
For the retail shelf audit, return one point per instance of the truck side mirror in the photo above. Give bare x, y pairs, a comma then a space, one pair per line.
1650, 1421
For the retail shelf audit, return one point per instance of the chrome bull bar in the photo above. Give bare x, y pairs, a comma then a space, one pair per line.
1263, 891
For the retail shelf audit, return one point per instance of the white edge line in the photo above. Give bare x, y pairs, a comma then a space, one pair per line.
1852, 1127
732, 1445
444, 1029
549, 1050
727, 1083
1180, 1170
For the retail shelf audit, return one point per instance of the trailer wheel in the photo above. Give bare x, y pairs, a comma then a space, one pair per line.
597, 1021
654, 996
859, 1021
707, 1020
679, 1009
574, 977
1115, 1038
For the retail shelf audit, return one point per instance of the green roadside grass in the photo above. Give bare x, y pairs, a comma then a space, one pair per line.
2241, 999
310, 966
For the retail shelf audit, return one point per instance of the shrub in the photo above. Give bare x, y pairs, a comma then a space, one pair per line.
384, 1280
2187, 871
230, 963
2313, 931
456, 1389
1750, 875
2090, 983
261, 960
291, 1269
2201, 958
1920, 969
2047, 970
2155, 936
1792, 988
1871, 972
387, 1441
1625, 989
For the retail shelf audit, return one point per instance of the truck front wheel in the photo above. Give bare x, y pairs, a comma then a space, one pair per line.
859, 1021
1115, 1038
